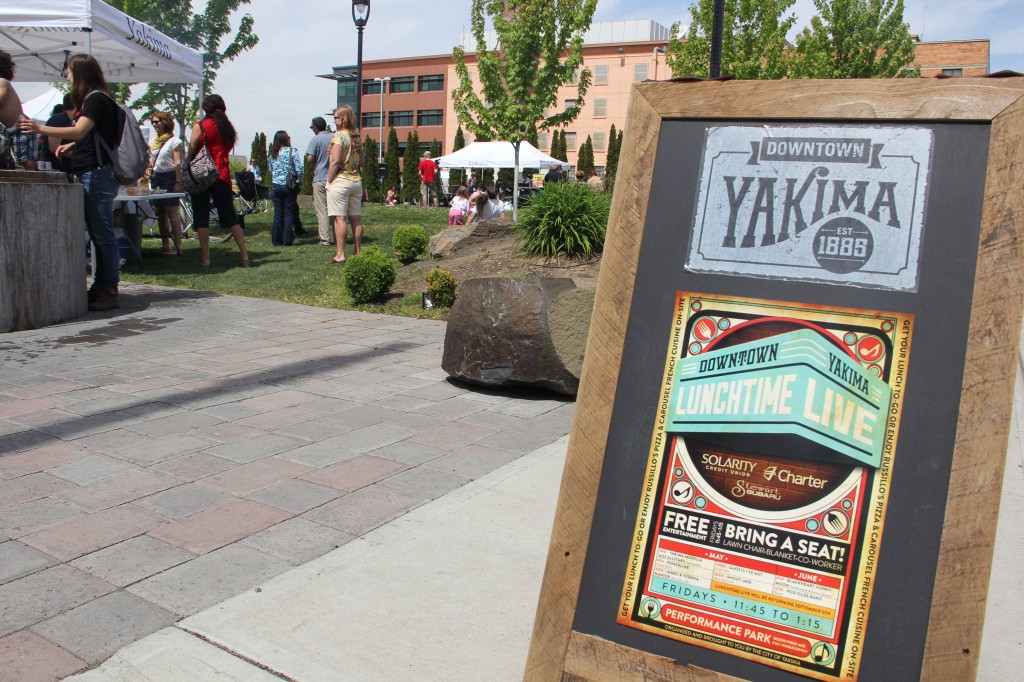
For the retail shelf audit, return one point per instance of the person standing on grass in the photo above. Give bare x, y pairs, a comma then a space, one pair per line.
345, 183
317, 153
216, 133
165, 155
427, 170
284, 160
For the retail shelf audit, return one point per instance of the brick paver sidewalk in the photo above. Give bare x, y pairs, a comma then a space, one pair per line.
159, 459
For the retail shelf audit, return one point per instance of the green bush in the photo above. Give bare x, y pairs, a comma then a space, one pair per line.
369, 275
410, 242
565, 218
441, 285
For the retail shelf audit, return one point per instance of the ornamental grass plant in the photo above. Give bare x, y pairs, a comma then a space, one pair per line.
565, 219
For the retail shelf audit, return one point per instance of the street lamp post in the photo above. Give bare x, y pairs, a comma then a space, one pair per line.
360, 15
380, 138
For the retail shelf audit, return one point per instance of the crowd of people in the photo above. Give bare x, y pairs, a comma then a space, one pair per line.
68, 142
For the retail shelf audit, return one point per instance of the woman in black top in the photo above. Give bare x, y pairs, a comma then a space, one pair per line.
96, 113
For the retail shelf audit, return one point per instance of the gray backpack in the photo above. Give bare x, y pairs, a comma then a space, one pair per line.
130, 157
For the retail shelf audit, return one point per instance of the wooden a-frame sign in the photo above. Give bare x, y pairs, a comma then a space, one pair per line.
912, 252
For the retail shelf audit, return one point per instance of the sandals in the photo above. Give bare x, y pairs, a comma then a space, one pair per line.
338, 262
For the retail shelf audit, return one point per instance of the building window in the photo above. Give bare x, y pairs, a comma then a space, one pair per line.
598, 140
371, 87
601, 74
425, 147
399, 118
570, 142
542, 140
599, 171
403, 84
569, 104
640, 72
956, 73
432, 83
575, 80
600, 107
347, 93
371, 119
430, 117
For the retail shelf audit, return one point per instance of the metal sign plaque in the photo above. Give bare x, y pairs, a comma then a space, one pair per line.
836, 204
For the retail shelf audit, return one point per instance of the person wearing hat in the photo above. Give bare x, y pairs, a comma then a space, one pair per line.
318, 154
428, 169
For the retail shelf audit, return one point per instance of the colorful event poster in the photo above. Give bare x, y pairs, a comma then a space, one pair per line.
764, 500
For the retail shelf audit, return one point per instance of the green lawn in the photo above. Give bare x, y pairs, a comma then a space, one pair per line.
297, 274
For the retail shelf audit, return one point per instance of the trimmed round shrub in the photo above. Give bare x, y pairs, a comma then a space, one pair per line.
565, 218
441, 285
369, 275
410, 242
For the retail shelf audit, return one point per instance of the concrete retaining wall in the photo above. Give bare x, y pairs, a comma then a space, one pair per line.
42, 250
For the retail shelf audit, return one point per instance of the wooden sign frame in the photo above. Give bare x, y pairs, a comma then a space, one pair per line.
557, 651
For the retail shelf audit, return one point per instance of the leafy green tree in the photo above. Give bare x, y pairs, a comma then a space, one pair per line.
204, 31
457, 177
307, 177
855, 39
410, 169
611, 164
753, 40
585, 158
560, 152
541, 49
258, 157
394, 178
371, 180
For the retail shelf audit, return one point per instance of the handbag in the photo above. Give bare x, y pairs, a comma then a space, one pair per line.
201, 172
7, 161
291, 184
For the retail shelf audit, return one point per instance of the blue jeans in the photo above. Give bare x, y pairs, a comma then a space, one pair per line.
282, 233
100, 190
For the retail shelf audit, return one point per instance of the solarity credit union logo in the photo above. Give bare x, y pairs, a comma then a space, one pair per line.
835, 204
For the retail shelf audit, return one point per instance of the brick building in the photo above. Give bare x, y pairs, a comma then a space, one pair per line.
619, 53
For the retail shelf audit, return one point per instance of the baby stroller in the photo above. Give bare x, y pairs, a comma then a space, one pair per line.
252, 197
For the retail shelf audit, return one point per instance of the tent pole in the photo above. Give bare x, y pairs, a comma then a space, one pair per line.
515, 184
88, 40
202, 85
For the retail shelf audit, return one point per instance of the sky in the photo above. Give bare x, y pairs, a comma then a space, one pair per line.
274, 86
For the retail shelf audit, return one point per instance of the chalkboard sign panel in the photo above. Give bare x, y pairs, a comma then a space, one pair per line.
767, 477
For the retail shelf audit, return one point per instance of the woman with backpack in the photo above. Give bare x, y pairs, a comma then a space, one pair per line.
216, 134
285, 180
96, 113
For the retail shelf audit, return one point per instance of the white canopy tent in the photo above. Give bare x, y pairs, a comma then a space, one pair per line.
39, 108
40, 34
498, 155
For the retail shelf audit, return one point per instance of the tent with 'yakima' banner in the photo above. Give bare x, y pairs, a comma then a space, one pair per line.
40, 34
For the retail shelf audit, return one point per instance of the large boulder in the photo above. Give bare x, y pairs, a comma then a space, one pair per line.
531, 331
450, 240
